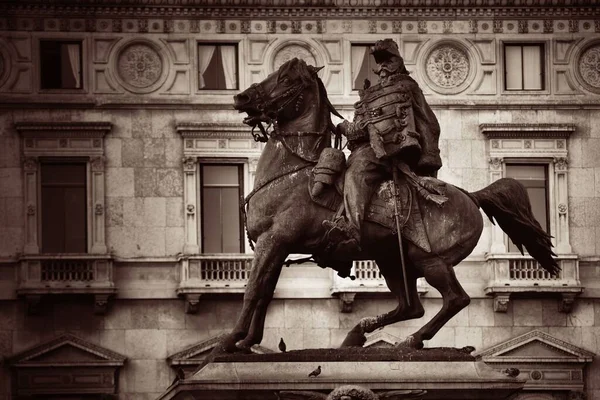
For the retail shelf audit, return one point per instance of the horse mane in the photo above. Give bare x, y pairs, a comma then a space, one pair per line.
301, 68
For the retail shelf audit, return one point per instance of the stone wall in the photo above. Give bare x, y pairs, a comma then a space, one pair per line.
147, 331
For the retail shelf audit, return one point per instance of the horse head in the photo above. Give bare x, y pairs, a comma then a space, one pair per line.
285, 95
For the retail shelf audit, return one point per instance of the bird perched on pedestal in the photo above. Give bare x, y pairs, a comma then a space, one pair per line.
315, 373
282, 346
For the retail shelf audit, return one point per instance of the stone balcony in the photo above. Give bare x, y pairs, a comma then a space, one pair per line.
517, 275
367, 279
212, 273
59, 274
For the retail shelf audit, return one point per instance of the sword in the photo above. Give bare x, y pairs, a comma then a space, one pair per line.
398, 229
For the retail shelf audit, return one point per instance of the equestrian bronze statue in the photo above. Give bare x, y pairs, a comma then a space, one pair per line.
299, 184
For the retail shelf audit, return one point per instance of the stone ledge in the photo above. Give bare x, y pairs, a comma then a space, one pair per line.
265, 378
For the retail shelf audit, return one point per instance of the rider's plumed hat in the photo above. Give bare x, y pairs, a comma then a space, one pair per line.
384, 49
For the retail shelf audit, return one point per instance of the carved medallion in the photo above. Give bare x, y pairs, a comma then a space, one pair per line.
139, 65
286, 53
447, 66
589, 67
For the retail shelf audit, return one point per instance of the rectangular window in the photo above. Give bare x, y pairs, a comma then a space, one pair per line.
222, 225
60, 64
63, 199
535, 179
217, 66
363, 64
524, 66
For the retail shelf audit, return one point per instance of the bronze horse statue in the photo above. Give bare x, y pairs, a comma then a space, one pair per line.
281, 218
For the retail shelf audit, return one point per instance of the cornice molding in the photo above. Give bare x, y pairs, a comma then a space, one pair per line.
269, 9
212, 130
508, 130
63, 129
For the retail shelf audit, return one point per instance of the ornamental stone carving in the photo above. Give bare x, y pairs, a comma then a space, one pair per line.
293, 50
30, 164
189, 164
139, 65
447, 66
97, 164
589, 67
496, 163
2, 65
561, 163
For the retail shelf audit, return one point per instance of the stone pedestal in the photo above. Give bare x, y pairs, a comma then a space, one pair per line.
266, 377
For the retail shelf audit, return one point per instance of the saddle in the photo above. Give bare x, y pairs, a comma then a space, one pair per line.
381, 206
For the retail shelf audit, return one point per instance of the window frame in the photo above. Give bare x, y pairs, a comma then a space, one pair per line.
64, 141
238, 66
82, 57
240, 164
544, 59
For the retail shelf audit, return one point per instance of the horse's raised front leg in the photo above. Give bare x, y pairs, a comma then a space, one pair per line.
393, 277
441, 276
266, 267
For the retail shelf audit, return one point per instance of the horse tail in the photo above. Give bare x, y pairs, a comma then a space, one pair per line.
506, 200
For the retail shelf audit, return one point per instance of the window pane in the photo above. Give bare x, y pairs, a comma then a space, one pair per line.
231, 220
220, 175
532, 68
211, 220
64, 217
221, 220
50, 64
534, 178
513, 65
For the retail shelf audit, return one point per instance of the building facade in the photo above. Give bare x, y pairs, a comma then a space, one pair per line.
122, 162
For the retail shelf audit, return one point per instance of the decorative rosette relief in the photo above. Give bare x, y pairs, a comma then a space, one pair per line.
448, 68
588, 68
290, 51
140, 67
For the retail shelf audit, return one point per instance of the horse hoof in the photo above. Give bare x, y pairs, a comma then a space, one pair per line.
244, 346
411, 342
354, 338
229, 344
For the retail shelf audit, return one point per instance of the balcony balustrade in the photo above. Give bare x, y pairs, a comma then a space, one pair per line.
42, 275
514, 274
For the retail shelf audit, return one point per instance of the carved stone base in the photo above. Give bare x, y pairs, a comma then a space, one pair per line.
271, 380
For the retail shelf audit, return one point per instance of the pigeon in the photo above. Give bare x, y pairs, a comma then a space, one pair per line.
511, 372
315, 373
282, 346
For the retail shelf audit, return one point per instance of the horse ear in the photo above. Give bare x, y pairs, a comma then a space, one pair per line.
314, 70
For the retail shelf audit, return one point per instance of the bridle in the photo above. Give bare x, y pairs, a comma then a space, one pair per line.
269, 109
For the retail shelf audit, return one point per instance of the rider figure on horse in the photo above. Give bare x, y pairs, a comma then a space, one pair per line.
393, 127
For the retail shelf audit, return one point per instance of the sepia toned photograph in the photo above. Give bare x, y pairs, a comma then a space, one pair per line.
299, 199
